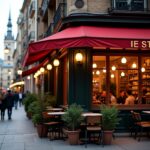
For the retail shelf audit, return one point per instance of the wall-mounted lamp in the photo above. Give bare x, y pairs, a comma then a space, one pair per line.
6, 50
28, 77
79, 57
49, 67
56, 62
42, 69
19, 71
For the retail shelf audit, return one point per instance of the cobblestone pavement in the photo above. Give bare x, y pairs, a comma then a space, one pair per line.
20, 134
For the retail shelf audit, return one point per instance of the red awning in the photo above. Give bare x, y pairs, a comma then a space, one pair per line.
34, 69
90, 36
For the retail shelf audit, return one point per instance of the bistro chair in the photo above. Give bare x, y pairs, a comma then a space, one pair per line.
139, 125
52, 125
93, 131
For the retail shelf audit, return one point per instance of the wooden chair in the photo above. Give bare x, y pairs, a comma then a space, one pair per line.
52, 124
139, 125
93, 131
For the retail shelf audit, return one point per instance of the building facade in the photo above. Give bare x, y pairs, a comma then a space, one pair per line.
102, 69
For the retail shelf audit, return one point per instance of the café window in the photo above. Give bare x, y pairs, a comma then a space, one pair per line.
130, 5
99, 78
125, 75
145, 80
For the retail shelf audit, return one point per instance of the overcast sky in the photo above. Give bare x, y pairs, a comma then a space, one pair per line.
5, 6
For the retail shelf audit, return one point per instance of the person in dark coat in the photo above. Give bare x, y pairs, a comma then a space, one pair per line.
9, 99
2, 106
16, 99
121, 99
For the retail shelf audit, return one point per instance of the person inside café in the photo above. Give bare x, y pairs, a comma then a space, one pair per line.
113, 100
121, 99
144, 96
130, 100
103, 97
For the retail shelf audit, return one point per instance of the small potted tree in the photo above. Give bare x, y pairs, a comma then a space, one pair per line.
30, 98
38, 119
109, 121
73, 118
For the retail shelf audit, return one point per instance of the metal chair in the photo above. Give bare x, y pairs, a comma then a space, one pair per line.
139, 125
52, 124
93, 131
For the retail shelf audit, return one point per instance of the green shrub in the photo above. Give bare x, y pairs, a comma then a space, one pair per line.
29, 99
49, 100
109, 117
73, 117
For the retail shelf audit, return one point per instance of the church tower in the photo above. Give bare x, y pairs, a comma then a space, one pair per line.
9, 46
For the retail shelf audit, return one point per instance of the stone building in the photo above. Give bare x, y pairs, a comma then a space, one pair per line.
6, 65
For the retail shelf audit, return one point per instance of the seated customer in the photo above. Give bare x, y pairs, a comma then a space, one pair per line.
121, 99
130, 99
113, 100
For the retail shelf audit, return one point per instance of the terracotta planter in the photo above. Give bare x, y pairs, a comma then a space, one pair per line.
107, 137
41, 130
73, 137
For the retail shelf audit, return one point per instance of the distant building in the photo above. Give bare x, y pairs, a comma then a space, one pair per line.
6, 65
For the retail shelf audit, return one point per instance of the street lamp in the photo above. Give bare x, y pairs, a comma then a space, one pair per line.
6, 50
19, 72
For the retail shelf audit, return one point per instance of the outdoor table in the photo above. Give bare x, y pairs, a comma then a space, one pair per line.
58, 113
91, 114
54, 109
147, 112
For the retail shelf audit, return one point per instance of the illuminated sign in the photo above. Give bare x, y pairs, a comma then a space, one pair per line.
140, 44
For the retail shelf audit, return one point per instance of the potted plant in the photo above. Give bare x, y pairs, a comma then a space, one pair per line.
73, 118
37, 118
109, 121
30, 98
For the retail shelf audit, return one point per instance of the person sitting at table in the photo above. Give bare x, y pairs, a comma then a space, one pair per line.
130, 99
103, 97
121, 99
113, 100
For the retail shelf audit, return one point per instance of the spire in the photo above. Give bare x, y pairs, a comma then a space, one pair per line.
9, 29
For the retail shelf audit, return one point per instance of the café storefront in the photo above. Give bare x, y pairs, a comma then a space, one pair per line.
95, 59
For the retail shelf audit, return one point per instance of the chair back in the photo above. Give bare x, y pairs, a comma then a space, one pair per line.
136, 116
94, 120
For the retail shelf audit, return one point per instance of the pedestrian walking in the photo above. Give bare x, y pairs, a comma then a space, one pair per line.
16, 99
20, 98
9, 99
2, 106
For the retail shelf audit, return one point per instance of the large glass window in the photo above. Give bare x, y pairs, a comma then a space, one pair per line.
99, 78
125, 78
145, 80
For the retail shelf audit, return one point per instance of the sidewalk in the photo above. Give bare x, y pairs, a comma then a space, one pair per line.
20, 134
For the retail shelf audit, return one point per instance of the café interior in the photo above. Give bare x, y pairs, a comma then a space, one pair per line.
125, 73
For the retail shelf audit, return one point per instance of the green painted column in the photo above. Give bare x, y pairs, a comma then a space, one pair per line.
80, 78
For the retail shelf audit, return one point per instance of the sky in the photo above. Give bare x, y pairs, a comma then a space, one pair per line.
14, 7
